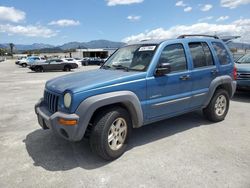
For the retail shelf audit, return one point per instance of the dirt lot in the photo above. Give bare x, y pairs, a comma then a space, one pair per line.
186, 151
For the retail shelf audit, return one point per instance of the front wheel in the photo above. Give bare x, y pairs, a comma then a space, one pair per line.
110, 134
218, 107
39, 69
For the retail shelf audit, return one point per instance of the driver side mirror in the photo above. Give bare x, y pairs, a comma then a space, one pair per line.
162, 69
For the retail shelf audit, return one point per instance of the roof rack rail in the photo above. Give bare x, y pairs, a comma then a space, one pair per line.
184, 36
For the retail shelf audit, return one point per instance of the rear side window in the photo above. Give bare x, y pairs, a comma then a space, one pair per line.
201, 54
174, 55
222, 53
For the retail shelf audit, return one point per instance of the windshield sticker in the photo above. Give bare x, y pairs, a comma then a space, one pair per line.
147, 48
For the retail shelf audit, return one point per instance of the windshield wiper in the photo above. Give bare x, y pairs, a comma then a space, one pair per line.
121, 67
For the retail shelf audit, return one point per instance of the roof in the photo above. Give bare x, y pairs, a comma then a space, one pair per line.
150, 41
159, 41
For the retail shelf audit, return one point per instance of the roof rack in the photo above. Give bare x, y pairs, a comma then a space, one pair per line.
184, 36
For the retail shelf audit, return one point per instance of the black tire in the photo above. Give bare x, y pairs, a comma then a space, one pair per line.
67, 68
210, 111
24, 64
86, 63
39, 69
102, 129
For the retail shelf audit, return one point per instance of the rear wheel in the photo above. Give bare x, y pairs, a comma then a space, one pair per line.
218, 107
110, 133
24, 64
67, 68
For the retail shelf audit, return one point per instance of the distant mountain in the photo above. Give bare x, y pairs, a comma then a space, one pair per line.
103, 44
66, 46
2, 46
22, 47
92, 44
33, 46
71, 45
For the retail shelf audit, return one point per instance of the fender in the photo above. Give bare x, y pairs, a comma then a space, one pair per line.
87, 108
217, 82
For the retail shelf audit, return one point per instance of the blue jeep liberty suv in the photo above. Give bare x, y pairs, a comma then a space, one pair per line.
139, 84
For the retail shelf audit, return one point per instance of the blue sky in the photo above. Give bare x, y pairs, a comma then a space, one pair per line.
57, 22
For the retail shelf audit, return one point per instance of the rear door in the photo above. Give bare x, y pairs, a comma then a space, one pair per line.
56, 64
171, 93
204, 71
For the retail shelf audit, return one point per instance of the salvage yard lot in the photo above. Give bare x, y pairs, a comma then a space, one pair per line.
186, 151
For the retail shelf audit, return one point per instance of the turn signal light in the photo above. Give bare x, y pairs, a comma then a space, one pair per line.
67, 122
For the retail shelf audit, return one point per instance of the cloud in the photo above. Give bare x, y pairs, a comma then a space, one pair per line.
205, 19
29, 31
233, 3
122, 2
65, 23
11, 14
180, 4
239, 27
206, 7
222, 18
188, 9
134, 18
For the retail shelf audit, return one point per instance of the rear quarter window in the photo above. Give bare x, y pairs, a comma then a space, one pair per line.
222, 53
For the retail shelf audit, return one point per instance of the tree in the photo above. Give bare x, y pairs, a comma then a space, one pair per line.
3, 51
11, 48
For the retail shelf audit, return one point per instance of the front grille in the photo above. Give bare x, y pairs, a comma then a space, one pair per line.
51, 101
243, 75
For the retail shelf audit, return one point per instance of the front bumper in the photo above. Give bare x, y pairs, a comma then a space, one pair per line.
48, 120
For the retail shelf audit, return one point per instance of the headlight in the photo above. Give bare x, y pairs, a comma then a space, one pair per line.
67, 100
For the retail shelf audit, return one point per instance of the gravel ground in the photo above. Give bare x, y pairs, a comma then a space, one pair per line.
185, 151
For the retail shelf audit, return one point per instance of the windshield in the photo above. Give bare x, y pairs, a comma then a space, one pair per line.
244, 59
133, 57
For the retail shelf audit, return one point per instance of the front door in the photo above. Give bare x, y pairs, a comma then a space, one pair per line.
171, 93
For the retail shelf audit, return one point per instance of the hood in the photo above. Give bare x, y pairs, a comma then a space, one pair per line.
242, 67
83, 81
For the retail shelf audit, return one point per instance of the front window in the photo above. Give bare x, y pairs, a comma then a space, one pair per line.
245, 59
133, 57
174, 54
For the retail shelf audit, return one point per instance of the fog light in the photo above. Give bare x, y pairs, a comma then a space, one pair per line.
67, 122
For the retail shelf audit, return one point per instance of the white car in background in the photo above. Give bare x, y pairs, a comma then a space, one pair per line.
72, 60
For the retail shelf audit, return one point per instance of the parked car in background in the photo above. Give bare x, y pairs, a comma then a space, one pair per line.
78, 61
72, 60
237, 56
139, 84
52, 64
30, 60
20, 60
243, 72
93, 61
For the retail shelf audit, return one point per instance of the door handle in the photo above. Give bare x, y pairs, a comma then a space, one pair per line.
185, 77
214, 72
